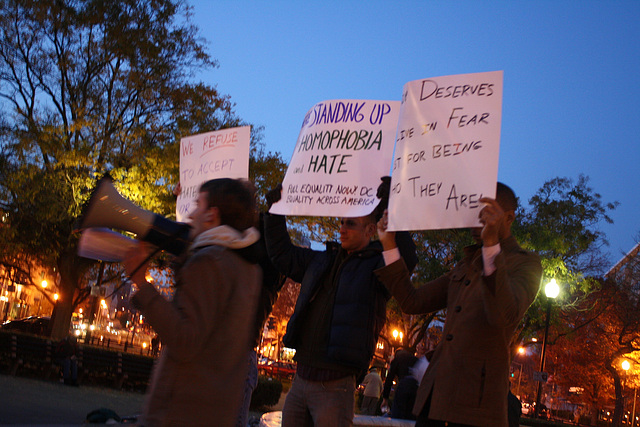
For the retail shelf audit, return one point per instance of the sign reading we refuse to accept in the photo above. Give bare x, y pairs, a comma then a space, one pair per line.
220, 154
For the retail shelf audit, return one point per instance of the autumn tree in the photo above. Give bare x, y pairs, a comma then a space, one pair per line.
597, 334
88, 86
561, 224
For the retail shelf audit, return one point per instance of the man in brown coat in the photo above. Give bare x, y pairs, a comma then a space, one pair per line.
207, 329
486, 296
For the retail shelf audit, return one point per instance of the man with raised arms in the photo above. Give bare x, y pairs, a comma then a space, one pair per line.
338, 315
486, 295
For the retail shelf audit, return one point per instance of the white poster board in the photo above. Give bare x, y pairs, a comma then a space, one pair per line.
446, 153
219, 154
343, 149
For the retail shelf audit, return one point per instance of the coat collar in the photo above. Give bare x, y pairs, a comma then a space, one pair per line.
507, 245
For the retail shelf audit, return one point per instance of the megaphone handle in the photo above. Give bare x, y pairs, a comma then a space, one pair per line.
135, 270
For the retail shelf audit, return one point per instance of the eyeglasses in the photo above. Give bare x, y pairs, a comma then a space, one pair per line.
352, 223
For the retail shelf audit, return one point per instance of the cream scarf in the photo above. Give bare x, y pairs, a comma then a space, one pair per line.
226, 236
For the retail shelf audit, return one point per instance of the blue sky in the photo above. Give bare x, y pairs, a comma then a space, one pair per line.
571, 101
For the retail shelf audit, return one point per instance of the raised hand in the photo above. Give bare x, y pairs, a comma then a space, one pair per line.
387, 238
492, 218
274, 195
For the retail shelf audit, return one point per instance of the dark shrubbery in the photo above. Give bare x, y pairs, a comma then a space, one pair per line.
267, 392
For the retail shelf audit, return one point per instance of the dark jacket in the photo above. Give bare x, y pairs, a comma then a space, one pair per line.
272, 283
399, 367
359, 305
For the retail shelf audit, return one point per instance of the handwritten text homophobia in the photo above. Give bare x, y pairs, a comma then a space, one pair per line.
340, 140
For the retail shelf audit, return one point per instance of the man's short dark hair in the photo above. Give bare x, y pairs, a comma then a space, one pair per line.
235, 200
373, 217
506, 198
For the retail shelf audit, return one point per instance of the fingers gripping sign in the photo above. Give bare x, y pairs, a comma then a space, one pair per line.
387, 238
492, 217
274, 195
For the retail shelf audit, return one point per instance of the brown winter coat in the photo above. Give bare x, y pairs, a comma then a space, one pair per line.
468, 373
206, 334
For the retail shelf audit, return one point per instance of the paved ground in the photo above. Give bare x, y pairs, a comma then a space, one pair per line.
31, 402
25, 401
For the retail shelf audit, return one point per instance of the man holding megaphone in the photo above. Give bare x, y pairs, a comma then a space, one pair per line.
206, 330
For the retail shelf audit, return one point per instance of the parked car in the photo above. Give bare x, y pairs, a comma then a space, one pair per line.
276, 369
33, 325
544, 411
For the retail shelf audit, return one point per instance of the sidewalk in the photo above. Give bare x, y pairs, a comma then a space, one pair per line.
31, 402
26, 401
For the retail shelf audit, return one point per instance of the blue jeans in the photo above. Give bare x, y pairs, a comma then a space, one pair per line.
320, 404
404, 398
249, 385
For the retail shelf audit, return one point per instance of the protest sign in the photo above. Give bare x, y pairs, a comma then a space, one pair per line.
220, 154
343, 149
446, 152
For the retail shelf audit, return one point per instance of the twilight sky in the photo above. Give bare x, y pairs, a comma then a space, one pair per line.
571, 101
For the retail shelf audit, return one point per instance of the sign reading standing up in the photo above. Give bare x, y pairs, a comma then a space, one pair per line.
446, 151
344, 148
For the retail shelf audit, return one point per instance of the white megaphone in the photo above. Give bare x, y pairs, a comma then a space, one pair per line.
103, 244
108, 209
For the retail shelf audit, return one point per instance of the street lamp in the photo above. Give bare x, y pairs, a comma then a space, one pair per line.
551, 290
521, 351
626, 366
519, 377
397, 335
397, 340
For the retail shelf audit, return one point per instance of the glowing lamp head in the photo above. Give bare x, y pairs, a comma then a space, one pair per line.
551, 290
